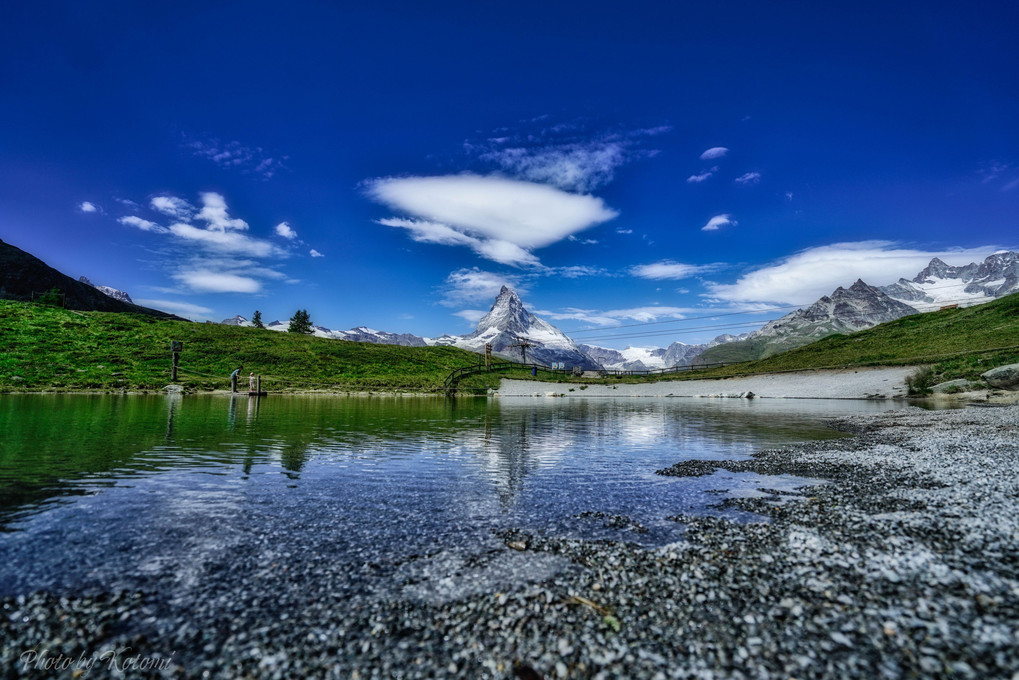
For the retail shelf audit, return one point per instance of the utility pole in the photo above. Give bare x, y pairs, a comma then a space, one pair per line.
523, 344
488, 355
176, 347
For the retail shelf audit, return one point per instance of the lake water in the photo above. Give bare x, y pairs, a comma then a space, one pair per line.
164, 493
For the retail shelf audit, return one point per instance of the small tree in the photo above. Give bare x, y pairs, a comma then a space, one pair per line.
257, 320
52, 297
300, 322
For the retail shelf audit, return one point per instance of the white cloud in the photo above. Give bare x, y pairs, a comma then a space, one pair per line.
809, 274
472, 316
144, 225
719, 221
565, 155
475, 285
575, 271
174, 207
613, 317
667, 269
714, 152
697, 179
224, 242
233, 154
185, 308
497, 212
749, 178
1011, 185
788, 196
214, 214
578, 167
315, 253
128, 203
286, 231
87, 207
210, 281
424, 231
624, 231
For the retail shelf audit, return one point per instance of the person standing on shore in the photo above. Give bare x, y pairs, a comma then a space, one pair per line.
233, 379
251, 382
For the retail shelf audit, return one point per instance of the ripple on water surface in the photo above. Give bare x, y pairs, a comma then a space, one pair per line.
161, 492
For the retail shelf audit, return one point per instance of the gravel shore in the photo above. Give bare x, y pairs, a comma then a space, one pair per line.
904, 564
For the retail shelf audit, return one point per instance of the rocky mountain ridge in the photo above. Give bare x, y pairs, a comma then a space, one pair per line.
107, 290
24, 277
863, 306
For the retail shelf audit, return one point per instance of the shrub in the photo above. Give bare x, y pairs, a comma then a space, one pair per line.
921, 381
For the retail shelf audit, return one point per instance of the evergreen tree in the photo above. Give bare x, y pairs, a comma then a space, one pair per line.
53, 297
257, 319
300, 322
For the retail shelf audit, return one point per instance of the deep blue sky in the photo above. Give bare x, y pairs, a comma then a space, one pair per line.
195, 154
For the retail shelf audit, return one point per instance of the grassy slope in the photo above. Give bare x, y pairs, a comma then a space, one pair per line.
45, 347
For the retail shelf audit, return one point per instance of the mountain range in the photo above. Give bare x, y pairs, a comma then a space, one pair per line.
862, 306
846, 310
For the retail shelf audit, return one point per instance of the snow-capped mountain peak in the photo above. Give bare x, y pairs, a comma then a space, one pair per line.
940, 284
507, 315
107, 290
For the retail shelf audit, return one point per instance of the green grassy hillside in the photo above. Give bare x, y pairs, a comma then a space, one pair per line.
45, 348
958, 343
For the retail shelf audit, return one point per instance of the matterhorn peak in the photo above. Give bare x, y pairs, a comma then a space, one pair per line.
507, 314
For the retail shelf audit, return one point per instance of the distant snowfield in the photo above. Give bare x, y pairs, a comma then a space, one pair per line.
862, 383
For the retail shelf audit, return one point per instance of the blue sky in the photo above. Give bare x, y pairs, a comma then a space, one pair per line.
392, 164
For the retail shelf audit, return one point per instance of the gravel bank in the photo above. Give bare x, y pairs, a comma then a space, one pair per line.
905, 564
860, 383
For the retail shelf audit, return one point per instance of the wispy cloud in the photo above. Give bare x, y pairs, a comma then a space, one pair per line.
233, 154
805, 276
568, 156
174, 207
315, 253
701, 177
575, 271
669, 270
177, 307
87, 207
501, 219
611, 317
624, 231
719, 221
213, 281
749, 178
144, 225
472, 316
473, 285
714, 152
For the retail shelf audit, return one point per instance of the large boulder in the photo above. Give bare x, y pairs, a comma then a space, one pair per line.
1003, 377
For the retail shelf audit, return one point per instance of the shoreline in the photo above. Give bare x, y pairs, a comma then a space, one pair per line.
904, 562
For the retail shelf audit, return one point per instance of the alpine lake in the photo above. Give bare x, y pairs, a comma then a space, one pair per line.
161, 493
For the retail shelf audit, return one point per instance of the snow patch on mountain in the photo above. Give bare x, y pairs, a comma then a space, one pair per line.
940, 284
107, 290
